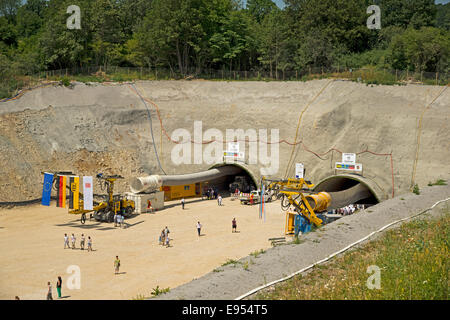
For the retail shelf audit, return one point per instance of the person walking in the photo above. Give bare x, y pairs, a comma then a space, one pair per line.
89, 244
66, 241
116, 265
234, 225
49, 292
219, 200
161, 237
82, 241
166, 233
182, 203
73, 241
199, 228
58, 287
167, 242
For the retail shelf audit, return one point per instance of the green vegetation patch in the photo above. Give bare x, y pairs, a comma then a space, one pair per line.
412, 260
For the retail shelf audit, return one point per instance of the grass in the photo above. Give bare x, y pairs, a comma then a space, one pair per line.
257, 253
230, 261
416, 189
368, 75
413, 261
439, 182
157, 291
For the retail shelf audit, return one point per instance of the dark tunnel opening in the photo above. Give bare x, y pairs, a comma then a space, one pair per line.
347, 190
242, 180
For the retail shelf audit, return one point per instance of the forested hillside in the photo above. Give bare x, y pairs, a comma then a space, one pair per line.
186, 35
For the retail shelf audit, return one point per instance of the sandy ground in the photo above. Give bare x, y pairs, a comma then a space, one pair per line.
31, 248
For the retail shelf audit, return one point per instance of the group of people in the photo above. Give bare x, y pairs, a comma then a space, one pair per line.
164, 237
350, 209
119, 220
58, 289
73, 240
211, 193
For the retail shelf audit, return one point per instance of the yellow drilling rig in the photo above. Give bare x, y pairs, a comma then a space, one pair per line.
301, 209
112, 205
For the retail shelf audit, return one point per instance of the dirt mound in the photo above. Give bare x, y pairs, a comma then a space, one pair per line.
105, 128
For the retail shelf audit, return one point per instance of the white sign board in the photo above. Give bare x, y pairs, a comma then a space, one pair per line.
348, 166
299, 169
349, 158
233, 147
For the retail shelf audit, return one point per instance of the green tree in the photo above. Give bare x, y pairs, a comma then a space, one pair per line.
427, 49
414, 13
260, 8
443, 16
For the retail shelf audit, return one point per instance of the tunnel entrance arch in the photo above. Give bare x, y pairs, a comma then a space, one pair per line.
246, 171
352, 183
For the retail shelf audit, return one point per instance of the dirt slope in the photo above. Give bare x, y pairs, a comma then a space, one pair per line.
105, 128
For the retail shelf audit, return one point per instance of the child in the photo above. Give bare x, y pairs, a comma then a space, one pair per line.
89, 244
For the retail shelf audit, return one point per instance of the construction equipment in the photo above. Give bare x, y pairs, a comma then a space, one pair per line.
105, 210
291, 192
111, 206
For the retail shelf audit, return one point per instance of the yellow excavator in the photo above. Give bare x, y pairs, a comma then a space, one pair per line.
292, 192
112, 205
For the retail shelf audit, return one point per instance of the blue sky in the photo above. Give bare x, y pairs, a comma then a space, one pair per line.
280, 3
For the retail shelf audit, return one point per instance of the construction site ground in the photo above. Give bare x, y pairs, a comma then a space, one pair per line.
31, 248
32, 253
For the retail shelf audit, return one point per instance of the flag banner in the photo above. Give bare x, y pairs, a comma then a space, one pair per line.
71, 180
47, 189
74, 193
88, 194
58, 191
61, 184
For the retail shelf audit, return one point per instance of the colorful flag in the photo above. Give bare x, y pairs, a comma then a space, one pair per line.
88, 193
61, 188
74, 193
47, 189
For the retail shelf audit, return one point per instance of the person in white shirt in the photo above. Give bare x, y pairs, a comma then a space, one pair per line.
66, 241
89, 244
182, 203
73, 241
82, 242
199, 228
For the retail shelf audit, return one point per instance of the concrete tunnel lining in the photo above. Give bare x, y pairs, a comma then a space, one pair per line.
350, 188
244, 168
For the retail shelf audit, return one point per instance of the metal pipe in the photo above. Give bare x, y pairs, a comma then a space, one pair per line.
154, 182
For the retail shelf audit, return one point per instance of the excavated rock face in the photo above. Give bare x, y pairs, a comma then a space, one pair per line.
102, 128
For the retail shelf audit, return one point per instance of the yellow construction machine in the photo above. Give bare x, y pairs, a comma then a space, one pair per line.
292, 192
112, 205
